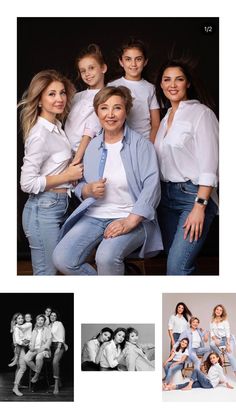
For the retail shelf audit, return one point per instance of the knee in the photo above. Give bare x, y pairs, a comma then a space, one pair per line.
106, 258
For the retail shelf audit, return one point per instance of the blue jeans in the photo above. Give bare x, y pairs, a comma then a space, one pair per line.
198, 351
169, 370
73, 250
177, 201
230, 355
42, 218
199, 380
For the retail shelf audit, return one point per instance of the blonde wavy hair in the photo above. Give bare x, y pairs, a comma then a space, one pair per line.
29, 104
223, 315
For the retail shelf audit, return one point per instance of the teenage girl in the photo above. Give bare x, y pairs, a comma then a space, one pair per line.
91, 349
110, 353
214, 375
82, 123
176, 360
26, 330
144, 116
46, 174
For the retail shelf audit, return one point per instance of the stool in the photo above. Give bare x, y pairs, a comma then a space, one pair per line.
134, 266
44, 376
226, 363
189, 366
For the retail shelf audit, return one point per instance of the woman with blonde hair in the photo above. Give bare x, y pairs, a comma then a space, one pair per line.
46, 174
221, 336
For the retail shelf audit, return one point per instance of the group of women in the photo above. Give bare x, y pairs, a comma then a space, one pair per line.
112, 130
206, 349
31, 347
117, 350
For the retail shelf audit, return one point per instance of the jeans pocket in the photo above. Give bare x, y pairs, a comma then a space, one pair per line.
47, 202
189, 188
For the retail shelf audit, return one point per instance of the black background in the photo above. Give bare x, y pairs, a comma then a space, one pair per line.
35, 304
55, 42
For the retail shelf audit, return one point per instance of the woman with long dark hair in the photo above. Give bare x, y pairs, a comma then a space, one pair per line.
91, 349
187, 149
111, 353
178, 322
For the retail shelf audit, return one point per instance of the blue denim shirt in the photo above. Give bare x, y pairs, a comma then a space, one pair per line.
142, 172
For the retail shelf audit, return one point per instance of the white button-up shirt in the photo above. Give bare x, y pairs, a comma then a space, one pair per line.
47, 152
58, 332
188, 150
220, 329
177, 324
110, 355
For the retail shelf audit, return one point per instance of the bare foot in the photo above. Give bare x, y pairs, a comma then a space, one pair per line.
229, 386
35, 378
17, 392
188, 387
56, 391
12, 363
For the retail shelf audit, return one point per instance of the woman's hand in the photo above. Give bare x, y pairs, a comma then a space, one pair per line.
193, 225
74, 172
228, 348
122, 226
94, 189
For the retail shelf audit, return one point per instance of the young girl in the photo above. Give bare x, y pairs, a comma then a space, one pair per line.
214, 376
82, 123
46, 174
176, 360
221, 336
26, 330
144, 116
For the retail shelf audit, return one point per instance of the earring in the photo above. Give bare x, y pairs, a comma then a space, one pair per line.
40, 105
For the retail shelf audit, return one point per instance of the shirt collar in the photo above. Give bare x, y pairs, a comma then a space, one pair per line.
183, 104
49, 125
125, 139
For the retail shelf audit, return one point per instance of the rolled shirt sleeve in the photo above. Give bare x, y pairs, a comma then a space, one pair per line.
35, 153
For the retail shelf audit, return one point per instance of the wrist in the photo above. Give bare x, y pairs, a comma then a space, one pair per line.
201, 201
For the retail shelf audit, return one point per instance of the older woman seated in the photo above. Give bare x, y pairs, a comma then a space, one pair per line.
121, 191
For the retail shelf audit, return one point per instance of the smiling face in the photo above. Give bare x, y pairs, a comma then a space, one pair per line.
92, 72
180, 309
20, 320
214, 359
104, 337
133, 63
174, 84
183, 344
53, 101
218, 311
133, 337
28, 317
53, 317
48, 311
194, 324
40, 321
119, 337
112, 115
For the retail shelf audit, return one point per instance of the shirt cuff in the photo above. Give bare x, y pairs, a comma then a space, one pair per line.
208, 179
42, 183
145, 211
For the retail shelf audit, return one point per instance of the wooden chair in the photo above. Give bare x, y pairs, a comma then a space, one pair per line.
226, 362
189, 366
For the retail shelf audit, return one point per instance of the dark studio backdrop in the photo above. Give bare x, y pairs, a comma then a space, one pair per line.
35, 304
55, 42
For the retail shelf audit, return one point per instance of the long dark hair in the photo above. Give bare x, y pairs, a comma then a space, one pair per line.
179, 346
196, 89
120, 329
105, 329
208, 364
186, 313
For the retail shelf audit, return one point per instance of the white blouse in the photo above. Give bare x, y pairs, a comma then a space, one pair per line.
90, 350
47, 152
58, 332
220, 329
177, 324
82, 119
188, 150
110, 354
216, 375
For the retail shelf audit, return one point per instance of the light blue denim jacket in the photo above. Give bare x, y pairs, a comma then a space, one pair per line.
142, 172
188, 334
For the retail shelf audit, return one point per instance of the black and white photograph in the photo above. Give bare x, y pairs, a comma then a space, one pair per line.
118, 347
199, 353
102, 192
37, 352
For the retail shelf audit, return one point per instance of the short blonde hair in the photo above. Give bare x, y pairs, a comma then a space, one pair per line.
106, 92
